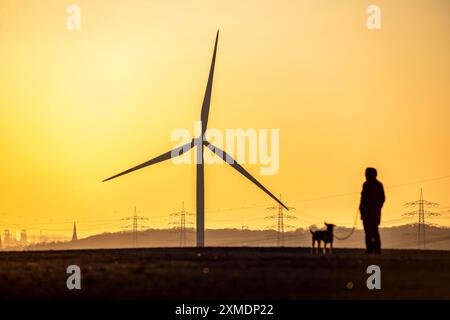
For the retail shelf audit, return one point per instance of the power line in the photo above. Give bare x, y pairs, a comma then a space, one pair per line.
181, 224
255, 205
135, 220
326, 197
280, 217
421, 212
420, 181
304, 218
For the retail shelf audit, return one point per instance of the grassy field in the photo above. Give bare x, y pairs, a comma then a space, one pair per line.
224, 273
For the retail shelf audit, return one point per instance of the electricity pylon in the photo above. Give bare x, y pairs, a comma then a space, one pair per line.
421, 212
135, 221
181, 224
281, 216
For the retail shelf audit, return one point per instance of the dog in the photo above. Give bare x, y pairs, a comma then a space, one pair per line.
325, 236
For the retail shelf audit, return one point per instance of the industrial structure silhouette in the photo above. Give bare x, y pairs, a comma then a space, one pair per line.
135, 219
181, 224
201, 142
421, 212
280, 217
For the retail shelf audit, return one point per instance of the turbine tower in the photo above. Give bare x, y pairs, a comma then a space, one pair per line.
201, 142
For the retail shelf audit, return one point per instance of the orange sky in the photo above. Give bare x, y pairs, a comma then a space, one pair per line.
79, 106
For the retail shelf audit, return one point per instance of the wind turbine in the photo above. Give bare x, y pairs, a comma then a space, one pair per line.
201, 142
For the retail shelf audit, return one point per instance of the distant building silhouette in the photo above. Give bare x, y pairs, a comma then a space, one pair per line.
23, 237
74, 235
7, 239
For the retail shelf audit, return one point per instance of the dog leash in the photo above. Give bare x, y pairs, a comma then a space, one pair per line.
351, 231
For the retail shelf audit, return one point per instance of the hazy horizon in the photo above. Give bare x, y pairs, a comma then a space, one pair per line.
79, 106
399, 236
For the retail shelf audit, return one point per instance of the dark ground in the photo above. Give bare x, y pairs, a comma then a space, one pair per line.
224, 273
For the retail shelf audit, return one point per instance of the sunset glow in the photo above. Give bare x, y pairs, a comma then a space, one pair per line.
77, 106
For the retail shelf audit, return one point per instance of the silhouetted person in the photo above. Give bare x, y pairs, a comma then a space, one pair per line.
372, 200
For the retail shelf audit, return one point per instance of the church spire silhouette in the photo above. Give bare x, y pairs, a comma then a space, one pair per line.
74, 235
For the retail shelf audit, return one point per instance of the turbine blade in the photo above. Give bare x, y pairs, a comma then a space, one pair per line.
165, 156
228, 159
207, 97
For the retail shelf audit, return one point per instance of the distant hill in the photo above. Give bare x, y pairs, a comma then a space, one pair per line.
402, 237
